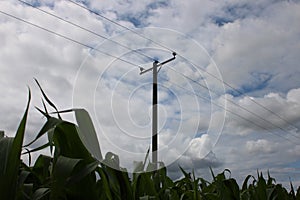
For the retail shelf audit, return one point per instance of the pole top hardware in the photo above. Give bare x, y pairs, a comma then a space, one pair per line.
142, 70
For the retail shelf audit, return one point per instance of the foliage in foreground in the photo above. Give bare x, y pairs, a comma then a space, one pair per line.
74, 170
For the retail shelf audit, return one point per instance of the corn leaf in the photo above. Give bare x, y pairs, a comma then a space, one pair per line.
105, 184
11, 164
5, 147
63, 169
51, 123
47, 99
68, 143
40, 193
87, 133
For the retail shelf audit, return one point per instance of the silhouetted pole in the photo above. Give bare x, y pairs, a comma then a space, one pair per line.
154, 113
155, 70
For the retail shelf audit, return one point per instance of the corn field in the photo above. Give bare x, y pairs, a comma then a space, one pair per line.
73, 172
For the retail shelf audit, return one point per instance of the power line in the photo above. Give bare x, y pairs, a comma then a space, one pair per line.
68, 38
105, 53
227, 110
88, 30
236, 104
187, 77
169, 49
239, 92
120, 25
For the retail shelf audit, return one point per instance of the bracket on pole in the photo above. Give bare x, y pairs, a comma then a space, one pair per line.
143, 70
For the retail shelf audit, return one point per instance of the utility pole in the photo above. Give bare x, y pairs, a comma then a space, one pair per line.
155, 69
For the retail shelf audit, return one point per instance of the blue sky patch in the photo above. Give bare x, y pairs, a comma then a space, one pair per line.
159, 4
37, 3
259, 81
136, 20
222, 21
238, 11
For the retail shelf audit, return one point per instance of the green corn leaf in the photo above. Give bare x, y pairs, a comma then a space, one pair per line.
196, 187
45, 108
147, 197
298, 193
186, 175
5, 147
87, 169
62, 170
40, 193
1, 134
36, 149
232, 190
68, 143
41, 168
212, 173
126, 189
138, 167
112, 177
146, 157
112, 160
9, 177
261, 187
26, 191
22, 177
151, 167
87, 133
47, 99
105, 184
43, 113
145, 186
270, 179
51, 123
245, 183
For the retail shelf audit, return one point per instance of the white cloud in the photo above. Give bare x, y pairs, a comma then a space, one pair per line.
257, 52
260, 146
254, 114
251, 47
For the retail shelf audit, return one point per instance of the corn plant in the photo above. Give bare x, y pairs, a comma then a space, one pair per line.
10, 152
76, 169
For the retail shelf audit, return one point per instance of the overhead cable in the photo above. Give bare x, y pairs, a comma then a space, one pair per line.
67, 38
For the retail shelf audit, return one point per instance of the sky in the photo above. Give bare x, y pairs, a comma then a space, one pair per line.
230, 99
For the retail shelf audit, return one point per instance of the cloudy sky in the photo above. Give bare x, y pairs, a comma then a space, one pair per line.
230, 99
